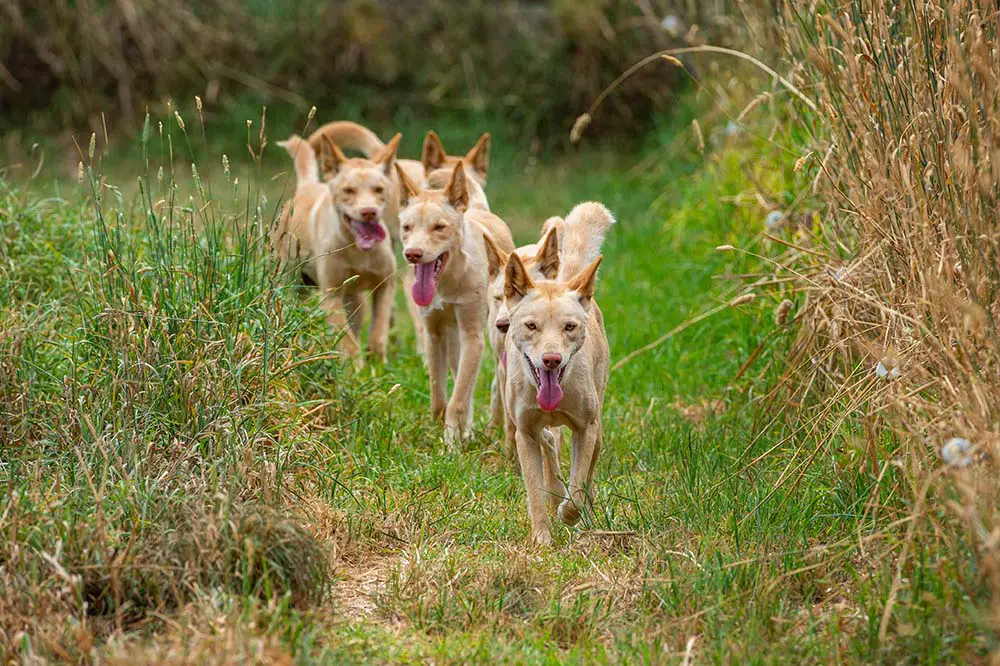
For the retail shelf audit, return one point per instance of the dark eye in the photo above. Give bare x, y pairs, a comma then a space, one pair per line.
407, 227
438, 227
350, 191
570, 327
530, 325
379, 189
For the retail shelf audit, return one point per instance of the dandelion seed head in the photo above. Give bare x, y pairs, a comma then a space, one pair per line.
775, 220
887, 369
673, 25
957, 452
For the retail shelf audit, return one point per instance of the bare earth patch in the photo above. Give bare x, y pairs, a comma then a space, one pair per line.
359, 582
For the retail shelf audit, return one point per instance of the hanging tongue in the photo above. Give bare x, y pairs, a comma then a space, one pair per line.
503, 358
367, 234
550, 393
423, 288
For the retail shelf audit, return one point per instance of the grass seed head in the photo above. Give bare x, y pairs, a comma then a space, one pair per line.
579, 127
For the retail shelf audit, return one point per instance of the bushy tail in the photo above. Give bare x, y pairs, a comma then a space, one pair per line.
581, 235
348, 136
306, 167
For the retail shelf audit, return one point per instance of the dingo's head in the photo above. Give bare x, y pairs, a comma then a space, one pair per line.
548, 324
541, 261
432, 228
361, 189
438, 164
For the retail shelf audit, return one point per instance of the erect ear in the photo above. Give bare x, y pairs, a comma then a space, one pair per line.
407, 188
290, 144
333, 156
548, 255
458, 190
433, 154
583, 282
517, 283
479, 155
495, 257
387, 158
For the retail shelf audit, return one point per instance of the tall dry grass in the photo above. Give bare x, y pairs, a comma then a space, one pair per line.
899, 343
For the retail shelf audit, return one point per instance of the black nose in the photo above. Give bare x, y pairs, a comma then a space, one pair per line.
413, 255
503, 325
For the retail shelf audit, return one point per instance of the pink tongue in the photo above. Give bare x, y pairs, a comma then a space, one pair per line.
367, 234
550, 393
423, 288
503, 358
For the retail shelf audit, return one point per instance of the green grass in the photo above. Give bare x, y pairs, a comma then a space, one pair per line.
177, 483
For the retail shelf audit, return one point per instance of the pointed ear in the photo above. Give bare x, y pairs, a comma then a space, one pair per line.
333, 156
290, 144
407, 188
433, 154
583, 282
458, 190
388, 156
496, 258
479, 156
548, 255
516, 283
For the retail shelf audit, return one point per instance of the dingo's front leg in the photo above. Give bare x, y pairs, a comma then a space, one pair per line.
437, 368
458, 417
586, 447
378, 334
529, 453
332, 303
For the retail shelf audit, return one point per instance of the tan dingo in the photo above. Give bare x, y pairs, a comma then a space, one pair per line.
557, 369
443, 239
542, 262
339, 232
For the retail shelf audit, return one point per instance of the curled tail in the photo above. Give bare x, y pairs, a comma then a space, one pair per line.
306, 167
348, 136
581, 235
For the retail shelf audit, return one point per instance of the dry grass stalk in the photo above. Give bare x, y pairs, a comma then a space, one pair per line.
911, 167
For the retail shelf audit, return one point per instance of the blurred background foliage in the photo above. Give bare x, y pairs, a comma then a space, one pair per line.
537, 63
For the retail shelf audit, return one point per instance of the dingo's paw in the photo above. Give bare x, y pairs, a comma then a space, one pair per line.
541, 537
569, 512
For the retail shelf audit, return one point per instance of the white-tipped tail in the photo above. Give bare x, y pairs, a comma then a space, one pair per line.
348, 136
581, 235
306, 167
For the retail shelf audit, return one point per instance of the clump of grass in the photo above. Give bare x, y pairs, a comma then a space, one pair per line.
151, 447
902, 274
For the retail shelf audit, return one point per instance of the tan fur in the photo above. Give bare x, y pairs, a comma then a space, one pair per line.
558, 317
542, 261
439, 224
316, 230
352, 136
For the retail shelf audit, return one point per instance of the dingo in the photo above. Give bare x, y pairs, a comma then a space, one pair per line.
443, 239
557, 368
542, 261
340, 232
